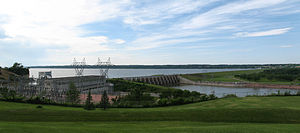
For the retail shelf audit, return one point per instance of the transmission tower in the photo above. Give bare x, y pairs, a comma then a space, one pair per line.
103, 67
79, 67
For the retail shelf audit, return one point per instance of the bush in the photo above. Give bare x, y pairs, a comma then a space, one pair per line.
230, 95
39, 100
204, 98
287, 93
177, 101
195, 94
298, 93
212, 97
163, 102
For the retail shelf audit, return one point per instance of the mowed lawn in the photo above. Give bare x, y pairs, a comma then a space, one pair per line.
232, 115
145, 127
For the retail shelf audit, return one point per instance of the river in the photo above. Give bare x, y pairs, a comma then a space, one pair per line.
118, 73
240, 92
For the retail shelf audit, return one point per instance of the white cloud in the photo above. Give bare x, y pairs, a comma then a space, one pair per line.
119, 41
55, 22
166, 38
263, 33
225, 13
156, 13
286, 46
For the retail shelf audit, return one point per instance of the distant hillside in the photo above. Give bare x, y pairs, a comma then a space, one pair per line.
4, 74
191, 66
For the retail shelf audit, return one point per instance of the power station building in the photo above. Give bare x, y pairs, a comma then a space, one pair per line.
97, 84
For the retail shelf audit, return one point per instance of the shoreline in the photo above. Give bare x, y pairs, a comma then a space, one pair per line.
238, 84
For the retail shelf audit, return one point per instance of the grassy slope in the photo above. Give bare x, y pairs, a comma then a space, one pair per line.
240, 115
218, 76
229, 77
147, 127
5, 74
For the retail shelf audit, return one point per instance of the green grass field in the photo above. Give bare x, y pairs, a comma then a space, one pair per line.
219, 76
229, 77
230, 115
146, 127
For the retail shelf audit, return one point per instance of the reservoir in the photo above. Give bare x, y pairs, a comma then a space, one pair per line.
240, 92
119, 73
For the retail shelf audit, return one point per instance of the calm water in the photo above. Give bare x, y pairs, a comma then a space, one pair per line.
240, 92
117, 73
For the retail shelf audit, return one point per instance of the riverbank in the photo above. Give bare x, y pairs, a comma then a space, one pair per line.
241, 84
227, 79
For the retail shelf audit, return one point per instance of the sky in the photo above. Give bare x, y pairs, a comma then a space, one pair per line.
53, 32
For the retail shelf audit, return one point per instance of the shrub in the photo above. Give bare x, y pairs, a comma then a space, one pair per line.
39, 100
212, 97
177, 93
177, 101
298, 93
230, 95
203, 98
287, 93
163, 102
195, 94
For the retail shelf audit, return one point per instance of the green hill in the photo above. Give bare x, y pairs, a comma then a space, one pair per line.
242, 115
4, 74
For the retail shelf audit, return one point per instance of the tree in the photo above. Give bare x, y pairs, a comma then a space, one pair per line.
136, 94
4, 93
89, 105
73, 94
19, 69
104, 100
7, 94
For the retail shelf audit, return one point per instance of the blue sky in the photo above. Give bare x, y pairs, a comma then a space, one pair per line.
53, 32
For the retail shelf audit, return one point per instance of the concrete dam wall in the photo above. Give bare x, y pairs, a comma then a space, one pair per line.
163, 80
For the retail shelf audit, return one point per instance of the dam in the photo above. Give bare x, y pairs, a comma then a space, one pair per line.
163, 80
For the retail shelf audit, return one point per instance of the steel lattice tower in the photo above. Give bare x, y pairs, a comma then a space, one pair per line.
103, 67
79, 67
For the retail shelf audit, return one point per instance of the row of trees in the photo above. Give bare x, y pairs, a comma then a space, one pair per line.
283, 74
140, 95
73, 97
18, 69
